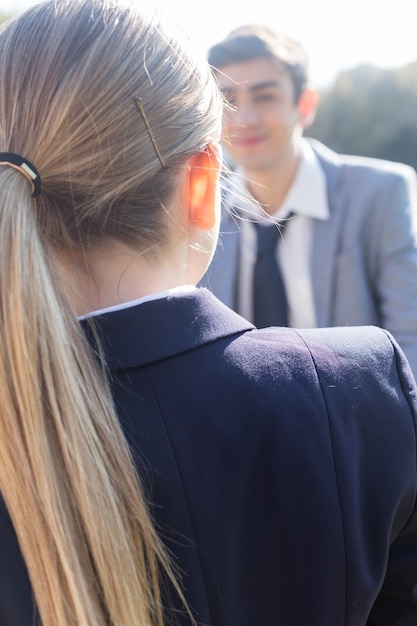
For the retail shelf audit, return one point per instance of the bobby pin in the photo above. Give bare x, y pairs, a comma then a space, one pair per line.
139, 104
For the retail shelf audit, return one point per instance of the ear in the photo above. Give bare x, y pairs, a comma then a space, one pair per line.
307, 106
203, 186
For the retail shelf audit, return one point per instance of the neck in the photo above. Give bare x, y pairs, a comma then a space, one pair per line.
115, 274
270, 185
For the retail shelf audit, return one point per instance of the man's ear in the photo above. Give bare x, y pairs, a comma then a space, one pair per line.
203, 176
307, 106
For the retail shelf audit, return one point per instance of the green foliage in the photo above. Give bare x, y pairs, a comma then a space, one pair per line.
4, 17
371, 112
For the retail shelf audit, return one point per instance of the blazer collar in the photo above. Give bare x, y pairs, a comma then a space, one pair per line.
329, 233
159, 329
331, 162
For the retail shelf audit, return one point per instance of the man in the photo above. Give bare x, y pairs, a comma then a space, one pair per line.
347, 251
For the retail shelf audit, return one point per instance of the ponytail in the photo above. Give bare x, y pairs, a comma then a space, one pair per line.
66, 476
71, 75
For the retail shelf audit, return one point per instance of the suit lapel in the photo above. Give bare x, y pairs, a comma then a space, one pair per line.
221, 275
327, 237
237, 205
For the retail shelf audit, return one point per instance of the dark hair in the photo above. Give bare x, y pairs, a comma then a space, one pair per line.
253, 41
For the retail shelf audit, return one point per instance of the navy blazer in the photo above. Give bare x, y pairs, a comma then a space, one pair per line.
281, 465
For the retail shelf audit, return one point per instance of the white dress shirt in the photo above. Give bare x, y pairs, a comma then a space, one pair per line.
307, 198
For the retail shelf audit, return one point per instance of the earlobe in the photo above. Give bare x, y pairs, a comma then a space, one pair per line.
203, 177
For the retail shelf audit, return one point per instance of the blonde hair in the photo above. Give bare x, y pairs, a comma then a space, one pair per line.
70, 72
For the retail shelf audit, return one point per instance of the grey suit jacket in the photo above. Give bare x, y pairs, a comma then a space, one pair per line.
364, 258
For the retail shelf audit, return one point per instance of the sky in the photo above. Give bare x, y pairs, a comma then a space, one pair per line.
338, 34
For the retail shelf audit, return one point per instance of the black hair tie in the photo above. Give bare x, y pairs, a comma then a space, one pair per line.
25, 167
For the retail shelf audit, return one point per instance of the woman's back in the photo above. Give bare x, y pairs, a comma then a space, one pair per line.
269, 460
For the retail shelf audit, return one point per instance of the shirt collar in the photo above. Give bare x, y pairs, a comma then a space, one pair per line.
308, 193
176, 291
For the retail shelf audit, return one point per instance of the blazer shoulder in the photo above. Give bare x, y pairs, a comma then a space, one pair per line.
332, 161
367, 350
345, 360
367, 384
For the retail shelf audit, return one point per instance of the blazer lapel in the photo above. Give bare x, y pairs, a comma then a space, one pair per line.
327, 237
221, 275
237, 206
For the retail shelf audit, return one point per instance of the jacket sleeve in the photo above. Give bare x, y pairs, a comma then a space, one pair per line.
371, 400
396, 604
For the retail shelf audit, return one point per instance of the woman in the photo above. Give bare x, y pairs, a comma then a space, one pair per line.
278, 467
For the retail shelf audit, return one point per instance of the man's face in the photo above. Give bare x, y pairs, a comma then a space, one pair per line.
261, 131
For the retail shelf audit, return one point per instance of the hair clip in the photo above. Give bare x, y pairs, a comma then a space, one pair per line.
139, 105
25, 167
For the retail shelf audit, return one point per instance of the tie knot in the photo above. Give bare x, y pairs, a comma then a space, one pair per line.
267, 238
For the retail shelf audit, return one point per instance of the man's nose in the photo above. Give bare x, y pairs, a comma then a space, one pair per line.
244, 115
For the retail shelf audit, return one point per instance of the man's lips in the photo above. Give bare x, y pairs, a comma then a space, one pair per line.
247, 142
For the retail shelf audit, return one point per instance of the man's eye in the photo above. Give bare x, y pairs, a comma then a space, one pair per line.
265, 97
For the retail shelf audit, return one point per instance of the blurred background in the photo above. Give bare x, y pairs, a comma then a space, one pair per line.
363, 57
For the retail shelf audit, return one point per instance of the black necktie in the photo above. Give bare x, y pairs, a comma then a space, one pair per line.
270, 301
